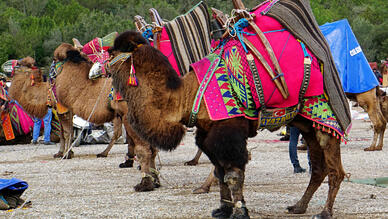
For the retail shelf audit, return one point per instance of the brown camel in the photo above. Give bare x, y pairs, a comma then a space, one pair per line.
369, 101
168, 100
29, 90
79, 94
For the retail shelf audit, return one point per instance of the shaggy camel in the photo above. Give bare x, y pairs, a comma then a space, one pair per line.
79, 94
168, 100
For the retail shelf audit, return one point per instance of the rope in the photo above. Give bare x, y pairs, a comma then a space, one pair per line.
72, 145
237, 30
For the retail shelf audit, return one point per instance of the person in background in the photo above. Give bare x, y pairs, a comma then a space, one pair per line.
378, 75
293, 152
47, 128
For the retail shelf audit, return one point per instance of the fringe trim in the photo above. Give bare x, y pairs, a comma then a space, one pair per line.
331, 131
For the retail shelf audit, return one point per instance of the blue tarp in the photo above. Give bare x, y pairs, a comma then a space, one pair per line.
13, 184
353, 68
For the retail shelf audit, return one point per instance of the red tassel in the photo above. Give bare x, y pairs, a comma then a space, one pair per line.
314, 124
132, 80
323, 128
32, 80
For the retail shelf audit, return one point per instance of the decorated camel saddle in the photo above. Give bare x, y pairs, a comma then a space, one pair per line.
261, 70
14, 120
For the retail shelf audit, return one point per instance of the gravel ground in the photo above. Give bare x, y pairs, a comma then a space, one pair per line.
90, 187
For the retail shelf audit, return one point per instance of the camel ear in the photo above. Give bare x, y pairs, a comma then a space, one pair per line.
77, 44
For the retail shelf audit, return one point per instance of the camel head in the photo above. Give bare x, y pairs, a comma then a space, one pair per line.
137, 53
66, 51
34, 73
27, 62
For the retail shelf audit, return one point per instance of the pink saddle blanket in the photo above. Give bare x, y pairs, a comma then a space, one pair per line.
290, 55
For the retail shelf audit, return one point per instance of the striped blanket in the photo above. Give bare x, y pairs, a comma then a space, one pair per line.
298, 18
189, 36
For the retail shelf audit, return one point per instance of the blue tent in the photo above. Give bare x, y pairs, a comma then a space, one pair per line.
353, 68
13, 184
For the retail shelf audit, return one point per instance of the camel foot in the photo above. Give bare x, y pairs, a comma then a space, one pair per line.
378, 148
240, 213
58, 155
323, 215
69, 155
370, 148
201, 190
191, 163
225, 211
145, 185
296, 209
156, 180
126, 164
102, 155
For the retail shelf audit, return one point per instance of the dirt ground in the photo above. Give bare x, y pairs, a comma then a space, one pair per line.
90, 187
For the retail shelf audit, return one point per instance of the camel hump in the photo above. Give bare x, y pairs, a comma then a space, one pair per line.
77, 44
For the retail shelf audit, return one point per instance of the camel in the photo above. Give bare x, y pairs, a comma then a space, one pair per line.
33, 98
369, 101
168, 100
79, 94
29, 90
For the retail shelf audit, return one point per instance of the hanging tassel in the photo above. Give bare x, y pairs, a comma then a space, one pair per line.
329, 131
32, 79
314, 124
132, 80
318, 127
323, 128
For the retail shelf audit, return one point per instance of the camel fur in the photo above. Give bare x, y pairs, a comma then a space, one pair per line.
29, 90
79, 94
168, 101
369, 101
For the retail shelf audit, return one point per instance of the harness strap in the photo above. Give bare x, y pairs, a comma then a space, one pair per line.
122, 57
256, 79
307, 72
202, 87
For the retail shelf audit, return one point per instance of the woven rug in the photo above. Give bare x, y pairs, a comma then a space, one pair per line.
187, 38
7, 126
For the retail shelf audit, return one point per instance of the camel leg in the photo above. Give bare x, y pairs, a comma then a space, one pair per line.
226, 208
66, 121
318, 173
325, 160
205, 187
117, 131
369, 102
226, 147
130, 156
194, 161
145, 154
